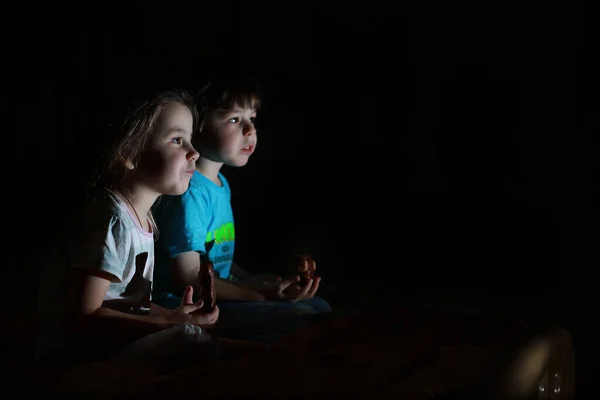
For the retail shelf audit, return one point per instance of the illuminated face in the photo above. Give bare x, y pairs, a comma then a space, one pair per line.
168, 163
229, 136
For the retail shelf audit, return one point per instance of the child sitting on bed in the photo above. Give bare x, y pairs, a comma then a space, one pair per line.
260, 307
94, 299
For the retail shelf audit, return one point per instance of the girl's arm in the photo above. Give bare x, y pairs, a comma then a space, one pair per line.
88, 317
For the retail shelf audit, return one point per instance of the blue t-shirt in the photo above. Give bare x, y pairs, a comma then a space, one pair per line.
189, 222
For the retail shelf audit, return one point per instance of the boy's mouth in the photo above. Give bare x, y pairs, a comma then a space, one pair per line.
248, 149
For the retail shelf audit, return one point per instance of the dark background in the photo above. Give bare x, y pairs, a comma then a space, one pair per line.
417, 148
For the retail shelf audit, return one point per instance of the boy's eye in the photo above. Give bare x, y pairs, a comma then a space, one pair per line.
233, 120
177, 140
252, 119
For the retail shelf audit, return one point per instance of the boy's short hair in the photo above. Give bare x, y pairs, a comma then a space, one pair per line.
224, 93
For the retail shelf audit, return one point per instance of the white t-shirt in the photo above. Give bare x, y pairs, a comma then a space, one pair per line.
105, 236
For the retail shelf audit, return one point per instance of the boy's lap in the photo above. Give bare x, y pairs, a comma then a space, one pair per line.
314, 305
319, 304
266, 321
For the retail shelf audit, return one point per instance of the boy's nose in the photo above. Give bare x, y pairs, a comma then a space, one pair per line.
249, 129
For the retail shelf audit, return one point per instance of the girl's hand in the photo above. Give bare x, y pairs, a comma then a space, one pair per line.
191, 312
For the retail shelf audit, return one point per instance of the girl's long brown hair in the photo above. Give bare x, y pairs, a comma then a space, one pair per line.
129, 139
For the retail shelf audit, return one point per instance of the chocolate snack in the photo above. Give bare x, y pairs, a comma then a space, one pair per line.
306, 268
208, 292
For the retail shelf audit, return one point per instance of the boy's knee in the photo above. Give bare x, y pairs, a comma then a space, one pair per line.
320, 305
303, 309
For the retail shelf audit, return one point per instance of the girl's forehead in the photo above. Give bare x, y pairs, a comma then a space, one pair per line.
175, 117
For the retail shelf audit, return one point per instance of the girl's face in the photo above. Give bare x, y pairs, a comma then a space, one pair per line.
168, 163
229, 136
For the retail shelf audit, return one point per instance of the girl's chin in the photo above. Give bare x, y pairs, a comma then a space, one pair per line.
177, 191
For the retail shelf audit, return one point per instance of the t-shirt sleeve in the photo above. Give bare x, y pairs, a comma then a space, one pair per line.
186, 225
102, 245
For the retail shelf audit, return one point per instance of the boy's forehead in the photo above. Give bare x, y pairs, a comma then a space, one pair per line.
238, 108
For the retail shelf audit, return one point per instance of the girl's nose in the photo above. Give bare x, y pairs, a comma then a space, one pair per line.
193, 154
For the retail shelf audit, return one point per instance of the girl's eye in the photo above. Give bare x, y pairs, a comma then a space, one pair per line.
233, 120
177, 140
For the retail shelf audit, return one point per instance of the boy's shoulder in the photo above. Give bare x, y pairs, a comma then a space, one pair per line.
200, 183
224, 180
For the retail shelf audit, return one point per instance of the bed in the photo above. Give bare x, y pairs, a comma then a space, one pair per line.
404, 356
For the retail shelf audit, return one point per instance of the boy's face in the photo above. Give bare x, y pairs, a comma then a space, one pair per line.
229, 136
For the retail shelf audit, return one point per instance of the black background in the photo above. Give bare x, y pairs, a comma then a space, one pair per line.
415, 148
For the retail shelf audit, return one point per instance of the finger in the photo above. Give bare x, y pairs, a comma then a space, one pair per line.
188, 296
315, 286
287, 282
211, 317
290, 280
306, 288
192, 308
199, 304
215, 314
313, 265
302, 264
268, 279
292, 291
302, 292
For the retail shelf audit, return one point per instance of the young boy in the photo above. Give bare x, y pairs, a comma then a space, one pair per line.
199, 226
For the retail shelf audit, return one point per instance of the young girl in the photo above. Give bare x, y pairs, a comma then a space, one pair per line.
94, 298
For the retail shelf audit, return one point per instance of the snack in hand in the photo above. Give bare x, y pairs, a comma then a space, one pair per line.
306, 268
208, 292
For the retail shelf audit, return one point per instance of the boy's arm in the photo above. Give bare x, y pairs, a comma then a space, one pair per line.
239, 273
186, 269
228, 290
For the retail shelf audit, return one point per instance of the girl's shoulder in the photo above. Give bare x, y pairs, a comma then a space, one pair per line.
100, 208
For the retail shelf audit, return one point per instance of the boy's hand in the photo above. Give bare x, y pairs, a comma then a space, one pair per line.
272, 286
289, 288
295, 293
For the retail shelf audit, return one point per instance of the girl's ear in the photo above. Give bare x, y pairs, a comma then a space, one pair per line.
126, 163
